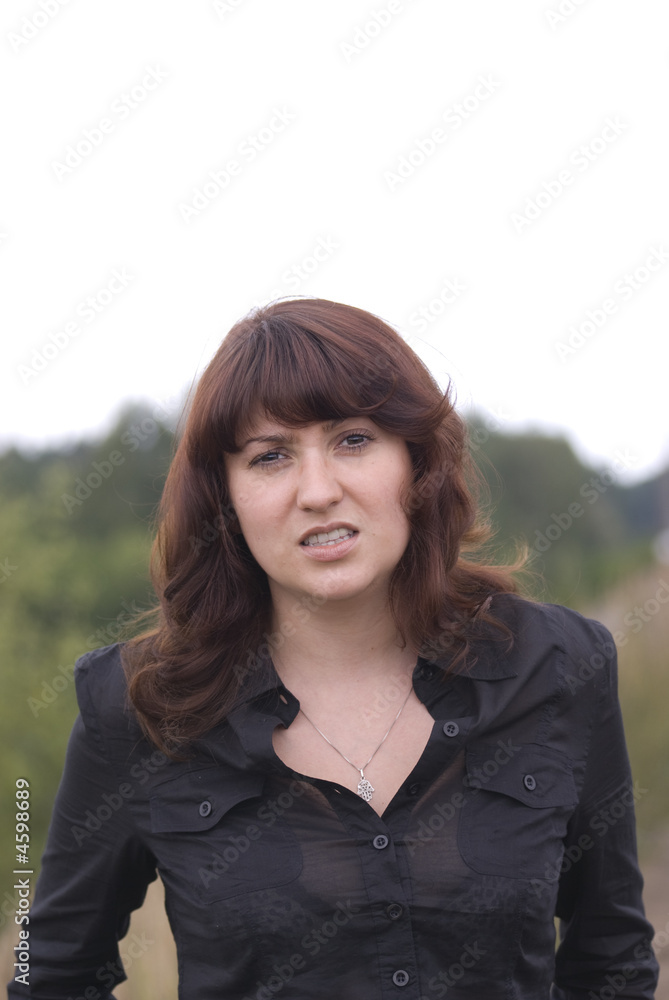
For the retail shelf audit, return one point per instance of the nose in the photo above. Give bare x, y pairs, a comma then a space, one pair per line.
317, 486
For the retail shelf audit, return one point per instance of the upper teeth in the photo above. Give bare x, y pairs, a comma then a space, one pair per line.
328, 538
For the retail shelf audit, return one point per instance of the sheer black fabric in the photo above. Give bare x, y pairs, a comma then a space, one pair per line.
521, 808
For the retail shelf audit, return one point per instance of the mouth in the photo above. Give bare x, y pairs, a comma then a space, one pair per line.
329, 538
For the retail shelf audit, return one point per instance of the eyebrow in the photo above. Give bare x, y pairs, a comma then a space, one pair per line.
289, 438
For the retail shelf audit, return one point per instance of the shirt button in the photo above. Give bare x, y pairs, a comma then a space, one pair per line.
205, 808
413, 789
401, 977
530, 782
451, 728
380, 841
394, 911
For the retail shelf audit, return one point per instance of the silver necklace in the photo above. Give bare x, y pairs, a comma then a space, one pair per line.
365, 789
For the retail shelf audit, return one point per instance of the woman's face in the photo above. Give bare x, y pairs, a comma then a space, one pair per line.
291, 487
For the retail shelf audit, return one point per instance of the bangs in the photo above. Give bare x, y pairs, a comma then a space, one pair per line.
309, 361
297, 376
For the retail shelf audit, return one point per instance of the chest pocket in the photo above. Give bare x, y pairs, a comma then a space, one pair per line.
517, 806
211, 841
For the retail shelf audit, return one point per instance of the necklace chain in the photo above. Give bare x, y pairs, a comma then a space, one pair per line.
365, 789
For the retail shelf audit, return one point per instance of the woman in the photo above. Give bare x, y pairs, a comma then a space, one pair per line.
363, 766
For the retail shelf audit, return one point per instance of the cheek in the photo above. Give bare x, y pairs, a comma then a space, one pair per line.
263, 544
399, 481
261, 523
253, 504
258, 530
392, 522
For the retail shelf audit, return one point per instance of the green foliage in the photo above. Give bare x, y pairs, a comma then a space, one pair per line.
75, 572
585, 531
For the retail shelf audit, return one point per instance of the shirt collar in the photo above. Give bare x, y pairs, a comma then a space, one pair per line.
489, 659
490, 662
258, 680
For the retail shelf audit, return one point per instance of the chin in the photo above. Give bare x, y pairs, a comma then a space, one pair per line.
347, 590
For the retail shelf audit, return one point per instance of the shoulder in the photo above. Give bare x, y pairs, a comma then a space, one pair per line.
546, 636
102, 692
535, 620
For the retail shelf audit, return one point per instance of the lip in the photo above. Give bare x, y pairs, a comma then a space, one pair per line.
321, 529
328, 553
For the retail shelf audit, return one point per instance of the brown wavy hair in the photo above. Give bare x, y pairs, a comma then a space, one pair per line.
300, 361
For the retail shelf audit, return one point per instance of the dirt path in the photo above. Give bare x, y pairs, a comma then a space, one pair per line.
656, 897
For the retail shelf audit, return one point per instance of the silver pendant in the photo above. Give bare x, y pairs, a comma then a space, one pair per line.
365, 789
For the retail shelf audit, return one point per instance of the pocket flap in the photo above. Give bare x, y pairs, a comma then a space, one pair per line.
197, 800
537, 776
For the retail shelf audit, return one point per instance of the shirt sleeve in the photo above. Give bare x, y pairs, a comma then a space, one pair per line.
95, 871
605, 939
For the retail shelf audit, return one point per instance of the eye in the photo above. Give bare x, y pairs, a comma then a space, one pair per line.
266, 459
361, 439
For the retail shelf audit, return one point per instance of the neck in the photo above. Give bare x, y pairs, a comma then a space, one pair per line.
335, 644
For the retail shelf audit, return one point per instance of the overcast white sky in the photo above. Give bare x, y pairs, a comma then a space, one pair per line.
500, 166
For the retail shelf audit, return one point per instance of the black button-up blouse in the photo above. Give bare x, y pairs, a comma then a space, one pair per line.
520, 809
